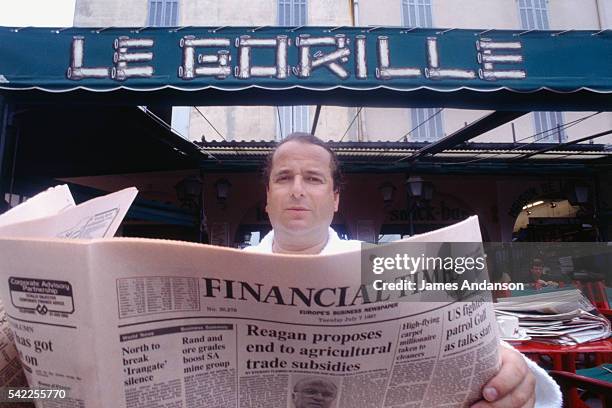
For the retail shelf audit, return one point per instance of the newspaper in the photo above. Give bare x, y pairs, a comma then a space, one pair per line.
547, 303
97, 218
48, 203
564, 317
53, 213
151, 323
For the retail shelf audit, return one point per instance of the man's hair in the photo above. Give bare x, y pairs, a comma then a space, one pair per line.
307, 138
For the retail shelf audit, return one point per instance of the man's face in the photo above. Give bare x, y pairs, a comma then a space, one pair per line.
537, 270
314, 394
300, 199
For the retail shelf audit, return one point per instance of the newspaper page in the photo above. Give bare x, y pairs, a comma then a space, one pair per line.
53, 213
149, 323
97, 218
48, 203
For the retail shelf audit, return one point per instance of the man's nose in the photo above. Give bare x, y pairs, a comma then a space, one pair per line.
297, 188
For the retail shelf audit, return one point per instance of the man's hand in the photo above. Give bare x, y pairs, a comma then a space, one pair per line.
512, 387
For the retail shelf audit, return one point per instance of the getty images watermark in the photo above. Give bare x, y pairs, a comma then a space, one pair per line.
432, 270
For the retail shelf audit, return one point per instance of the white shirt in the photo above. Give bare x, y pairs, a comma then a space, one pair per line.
548, 394
334, 244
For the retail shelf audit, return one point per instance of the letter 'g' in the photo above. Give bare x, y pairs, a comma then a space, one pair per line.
377, 265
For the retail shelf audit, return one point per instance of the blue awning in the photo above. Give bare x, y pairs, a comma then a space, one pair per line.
351, 66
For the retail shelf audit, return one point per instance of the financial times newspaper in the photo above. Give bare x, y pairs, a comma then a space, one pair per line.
152, 323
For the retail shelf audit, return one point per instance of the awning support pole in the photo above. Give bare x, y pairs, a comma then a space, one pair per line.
202, 219
561, 145
4, 114
315, 120
480, 126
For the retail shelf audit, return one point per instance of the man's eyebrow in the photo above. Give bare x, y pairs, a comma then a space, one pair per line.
315, 171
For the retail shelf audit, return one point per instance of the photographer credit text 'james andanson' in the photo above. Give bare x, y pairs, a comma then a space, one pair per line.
421, 269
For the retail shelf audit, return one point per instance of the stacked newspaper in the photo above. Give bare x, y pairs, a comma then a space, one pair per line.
140, 323
561, 317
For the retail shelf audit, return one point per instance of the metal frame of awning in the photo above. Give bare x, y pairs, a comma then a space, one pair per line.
481, 126
475, 129
385, 157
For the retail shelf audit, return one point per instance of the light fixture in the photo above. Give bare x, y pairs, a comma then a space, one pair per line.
531, 205
415, 186
223, 189
553, 204
189, 191
528, 212
387, 190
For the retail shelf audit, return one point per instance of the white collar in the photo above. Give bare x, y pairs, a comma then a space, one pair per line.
334, 244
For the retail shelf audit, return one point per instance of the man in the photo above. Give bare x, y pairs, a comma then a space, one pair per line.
302, 179
303, 191
314, 392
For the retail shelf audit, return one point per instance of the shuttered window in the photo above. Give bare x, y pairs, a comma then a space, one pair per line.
292, 118
548, 125
163, 13
534, 14
417, 13
431, 128
292, 12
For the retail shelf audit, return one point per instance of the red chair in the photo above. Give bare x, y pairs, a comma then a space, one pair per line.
569, 382
596, 292
564, 358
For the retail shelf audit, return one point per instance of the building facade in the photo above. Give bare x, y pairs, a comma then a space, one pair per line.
272, 123
497, 197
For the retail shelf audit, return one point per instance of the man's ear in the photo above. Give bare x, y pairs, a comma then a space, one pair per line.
336, 200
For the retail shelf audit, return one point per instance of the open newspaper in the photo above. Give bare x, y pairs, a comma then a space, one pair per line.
54, 214
152, 323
